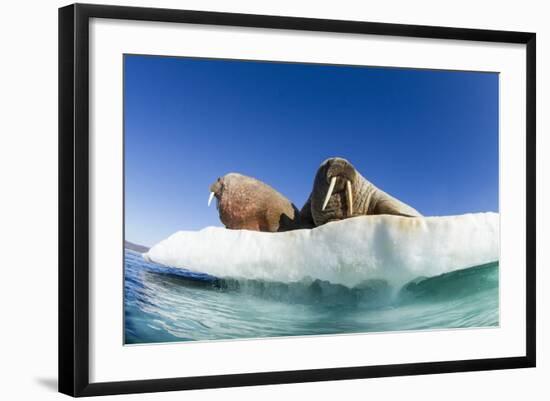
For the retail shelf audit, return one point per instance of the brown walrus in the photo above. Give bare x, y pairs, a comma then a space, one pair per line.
340, 191
247, 203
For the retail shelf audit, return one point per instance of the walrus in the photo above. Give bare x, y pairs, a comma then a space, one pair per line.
340, 191
247, 203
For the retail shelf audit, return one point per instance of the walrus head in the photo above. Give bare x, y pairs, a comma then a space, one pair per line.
333, 191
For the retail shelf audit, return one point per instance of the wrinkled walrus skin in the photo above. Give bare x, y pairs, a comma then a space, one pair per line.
366, 199
247, 203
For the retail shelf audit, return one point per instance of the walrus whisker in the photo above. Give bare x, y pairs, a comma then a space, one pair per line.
329, 193
210, 198
350, 198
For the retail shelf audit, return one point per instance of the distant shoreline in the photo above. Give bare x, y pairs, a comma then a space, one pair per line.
135, 247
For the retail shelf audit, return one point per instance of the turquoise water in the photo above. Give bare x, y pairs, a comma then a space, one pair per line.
164, 304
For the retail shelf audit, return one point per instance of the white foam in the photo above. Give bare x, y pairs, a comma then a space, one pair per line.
393, 248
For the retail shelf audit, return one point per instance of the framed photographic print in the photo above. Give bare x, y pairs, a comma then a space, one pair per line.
249, 199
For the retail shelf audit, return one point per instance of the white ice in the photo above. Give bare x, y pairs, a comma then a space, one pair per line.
348, 252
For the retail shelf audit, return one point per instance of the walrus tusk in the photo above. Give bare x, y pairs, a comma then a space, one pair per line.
350, 198
210, 198
329, 193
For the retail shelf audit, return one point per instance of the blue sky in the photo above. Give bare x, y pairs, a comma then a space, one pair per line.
430, 138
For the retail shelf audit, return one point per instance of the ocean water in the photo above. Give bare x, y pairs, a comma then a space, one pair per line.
165, 304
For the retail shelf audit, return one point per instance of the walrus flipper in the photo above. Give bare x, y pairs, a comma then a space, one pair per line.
395, 207
306, 218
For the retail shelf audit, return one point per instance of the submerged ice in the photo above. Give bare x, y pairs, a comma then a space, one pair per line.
349, 252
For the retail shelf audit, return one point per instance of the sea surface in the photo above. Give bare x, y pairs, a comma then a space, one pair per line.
164, 304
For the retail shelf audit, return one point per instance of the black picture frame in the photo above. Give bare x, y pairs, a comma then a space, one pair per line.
74, 198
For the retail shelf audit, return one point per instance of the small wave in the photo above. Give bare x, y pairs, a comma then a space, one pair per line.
370, 294
170, 304
454, 285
